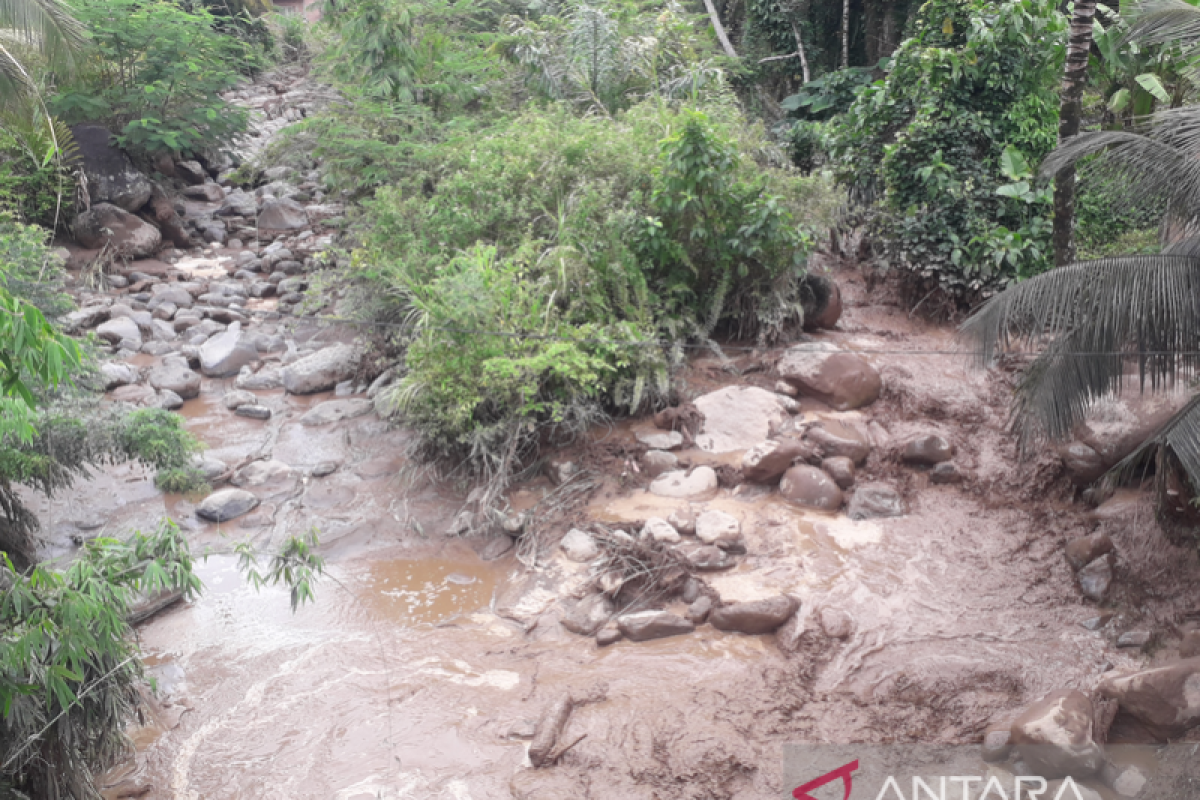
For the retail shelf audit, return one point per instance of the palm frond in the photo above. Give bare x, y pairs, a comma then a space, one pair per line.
1091, 320
1178, 436
47, 24
1163, 22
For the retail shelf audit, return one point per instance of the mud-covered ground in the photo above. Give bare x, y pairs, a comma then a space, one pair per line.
421, 668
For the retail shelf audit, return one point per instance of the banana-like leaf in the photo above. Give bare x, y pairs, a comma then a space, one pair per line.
1090, 321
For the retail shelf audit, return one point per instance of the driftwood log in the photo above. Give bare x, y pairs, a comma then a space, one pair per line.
545, 748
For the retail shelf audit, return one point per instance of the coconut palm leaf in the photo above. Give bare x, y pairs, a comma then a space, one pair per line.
1092, 320
1180, 435
48, 25
1164, 22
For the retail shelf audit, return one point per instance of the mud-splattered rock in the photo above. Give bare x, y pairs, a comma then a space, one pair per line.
282, 215
1134, 639
237, 398
226, 504
336, 410
322, 370
927, 450
836, 623
699, 482
227, 352
589, 615
1096, 578
840, 440
705, 557
683, 520
176, 376
579, 546
260, 473
1054, 736
945, 473
1083, 464
646, 625
738, 417
842, 380
253, 411
875, 500
715, 526
756, 617
660, 530
657, 462
841, 469
609, 633
660, 440
269, 377
810, 487
699, 609
1086, 549
111, 176
1165, 700
766, 461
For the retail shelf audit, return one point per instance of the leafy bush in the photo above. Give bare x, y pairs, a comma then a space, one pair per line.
157, 437
1104, 217
540, 263
942, 147
157, 77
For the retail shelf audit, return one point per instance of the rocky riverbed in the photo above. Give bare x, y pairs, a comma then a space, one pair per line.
835, 541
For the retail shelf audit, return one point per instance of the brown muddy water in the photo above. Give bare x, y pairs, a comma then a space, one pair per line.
420, 669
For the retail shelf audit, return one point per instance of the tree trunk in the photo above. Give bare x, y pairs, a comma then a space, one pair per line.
1079, 42
800, 52
846, 33
715, 18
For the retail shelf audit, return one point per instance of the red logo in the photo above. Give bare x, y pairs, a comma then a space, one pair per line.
843, 772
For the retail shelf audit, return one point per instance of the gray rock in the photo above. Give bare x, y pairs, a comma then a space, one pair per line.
657, 462
111, 177
211, 468
875, 500
944, 473
699, 609
844, 441
579, 546
118, 330
322, 370
660, 530
1137, 639
766, 461
191, 171
705, 557
700, 482
205, 193
589, 615
646, 625
282, 215
1164, 700
238, 398
683, 520
126, 235
177, 378
330, 467
1096, 578
87, 317
253, 412
841, 469
659, 440
116, 374
1084, 550
610, 633
226, 353
259, 473
756, 617
713, 527
269, 377
238, 203
997, 745
336, 410
226, 504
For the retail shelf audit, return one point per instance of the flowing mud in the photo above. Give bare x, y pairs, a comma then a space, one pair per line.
421, 669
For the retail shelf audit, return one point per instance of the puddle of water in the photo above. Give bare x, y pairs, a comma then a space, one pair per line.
426, 591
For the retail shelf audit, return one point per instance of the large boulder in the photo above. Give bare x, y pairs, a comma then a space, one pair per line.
927, 449
127, 235
120, 329
226, 504
1054, 736
261, 473
322, 370
115, 374
588, 615
282, 215
766, 461
810, 487
238, 203
227, 352
822, 301
1164, 700
111, 177
756, 617
715, 527
646, 625
834, 439
843, 380
177, 377
738, 418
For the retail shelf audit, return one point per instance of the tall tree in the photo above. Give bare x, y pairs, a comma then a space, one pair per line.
1079, 42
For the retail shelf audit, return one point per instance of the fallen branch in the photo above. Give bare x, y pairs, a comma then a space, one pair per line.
547, 731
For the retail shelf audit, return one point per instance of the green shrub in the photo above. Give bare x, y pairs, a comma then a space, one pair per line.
943, 145
549, 268
157, 437
157, 76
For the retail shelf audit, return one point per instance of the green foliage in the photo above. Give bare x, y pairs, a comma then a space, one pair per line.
830, 94
34, 183
68, 668
156, 74
539, 263
296, 566
157, 437
926, 146
291, 36
1106, 224
29, 269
